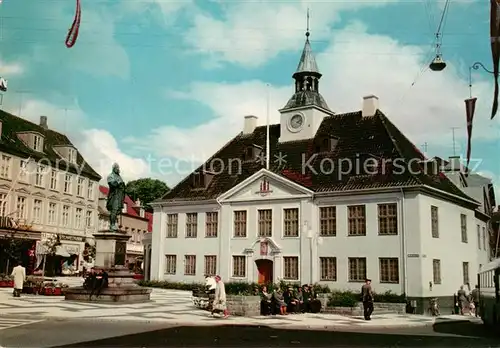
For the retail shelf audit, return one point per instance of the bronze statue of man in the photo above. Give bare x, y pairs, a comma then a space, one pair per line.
116, 196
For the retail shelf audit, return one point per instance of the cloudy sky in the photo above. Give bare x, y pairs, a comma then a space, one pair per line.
156, 84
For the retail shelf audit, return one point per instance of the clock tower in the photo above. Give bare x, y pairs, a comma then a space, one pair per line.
304, 112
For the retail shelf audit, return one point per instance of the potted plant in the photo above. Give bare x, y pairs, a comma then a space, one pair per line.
9, 281
58, 289
3, 283
48, 289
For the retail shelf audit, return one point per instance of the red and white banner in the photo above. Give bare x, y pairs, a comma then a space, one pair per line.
495, 48
470, 108
75, 27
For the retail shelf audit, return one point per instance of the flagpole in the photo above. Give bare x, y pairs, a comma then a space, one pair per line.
268, 142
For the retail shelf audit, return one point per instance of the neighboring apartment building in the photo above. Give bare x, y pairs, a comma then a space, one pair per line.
134, 220
46, 186
346, 197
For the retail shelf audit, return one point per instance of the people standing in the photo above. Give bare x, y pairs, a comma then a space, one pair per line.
475, 299
462, 299
220, 298
19, 274
367, 295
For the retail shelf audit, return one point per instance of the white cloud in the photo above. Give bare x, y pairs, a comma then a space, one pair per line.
99, 147
354, 64
252, 33
10, 69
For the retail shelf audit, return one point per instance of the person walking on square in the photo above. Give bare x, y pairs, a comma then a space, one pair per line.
367, 294
19, 274
220, 298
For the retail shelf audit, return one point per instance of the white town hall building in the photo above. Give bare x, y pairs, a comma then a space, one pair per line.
391, 216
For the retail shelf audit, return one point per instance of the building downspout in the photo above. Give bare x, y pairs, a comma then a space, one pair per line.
219, 234
403, 242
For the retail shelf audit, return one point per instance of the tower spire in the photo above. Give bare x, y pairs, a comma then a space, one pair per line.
307, 78
307, 25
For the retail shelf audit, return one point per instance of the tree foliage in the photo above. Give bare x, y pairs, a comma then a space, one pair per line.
146, 190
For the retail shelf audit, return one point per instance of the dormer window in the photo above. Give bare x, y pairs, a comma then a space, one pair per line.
71, 155
202, 179
326, 144
37, 143
252, 152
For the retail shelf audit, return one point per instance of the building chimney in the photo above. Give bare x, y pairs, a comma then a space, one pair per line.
370, 105
43, 122
250, 124
454, 163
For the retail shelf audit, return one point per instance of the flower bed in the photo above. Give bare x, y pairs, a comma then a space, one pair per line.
6, 281
242, 298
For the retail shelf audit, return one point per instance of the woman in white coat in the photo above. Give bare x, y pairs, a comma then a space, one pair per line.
19, 274
220, 298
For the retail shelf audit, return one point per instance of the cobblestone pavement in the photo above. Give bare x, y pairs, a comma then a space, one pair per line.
176, 308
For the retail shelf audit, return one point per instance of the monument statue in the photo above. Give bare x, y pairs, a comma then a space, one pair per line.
116, 196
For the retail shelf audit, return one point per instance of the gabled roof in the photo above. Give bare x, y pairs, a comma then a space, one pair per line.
359, 138
11, 144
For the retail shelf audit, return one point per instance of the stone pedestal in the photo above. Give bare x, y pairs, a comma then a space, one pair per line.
111, 247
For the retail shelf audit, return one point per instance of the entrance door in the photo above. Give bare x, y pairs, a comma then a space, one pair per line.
265, 268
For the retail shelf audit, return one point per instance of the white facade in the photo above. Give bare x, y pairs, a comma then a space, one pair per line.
414, 246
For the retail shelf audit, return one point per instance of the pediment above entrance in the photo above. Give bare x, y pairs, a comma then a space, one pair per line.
264, 185
264, 247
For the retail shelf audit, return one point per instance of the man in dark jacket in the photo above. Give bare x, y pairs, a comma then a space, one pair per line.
367, 295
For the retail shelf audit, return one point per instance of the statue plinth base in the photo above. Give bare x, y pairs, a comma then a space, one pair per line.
110, 257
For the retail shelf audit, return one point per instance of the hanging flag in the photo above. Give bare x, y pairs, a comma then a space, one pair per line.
495, 48
470, 107
75, 27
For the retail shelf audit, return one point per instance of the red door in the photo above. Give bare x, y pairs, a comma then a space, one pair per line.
265, 268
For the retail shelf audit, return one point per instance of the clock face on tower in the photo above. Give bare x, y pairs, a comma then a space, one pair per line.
296, 122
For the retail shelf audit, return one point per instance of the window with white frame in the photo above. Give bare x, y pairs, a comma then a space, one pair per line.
88, 218
21, 207
357, 269
191, 225
5, 166
478, 237
170, 264
328, 268
79, 186
388, 219
465, 272
52, 213
239, 266
79, 218
37, 143
291, 222
67, 183
389, 270
484, 238
23, 171
265, 223
190, 265
65, 216
357, 220
211, 224
37, 211
463, 227
90, 190
327, 221
40, 172
210, 265
291, 268
4, 204
240, 223
172, 220
436, 271
71, 155
53, 180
